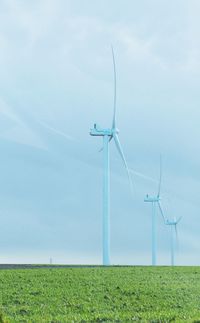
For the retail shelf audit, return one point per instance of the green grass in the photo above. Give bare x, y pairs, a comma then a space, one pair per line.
115, 294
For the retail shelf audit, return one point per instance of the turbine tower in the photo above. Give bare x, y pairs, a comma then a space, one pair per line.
108, 134
173, 237
155, 201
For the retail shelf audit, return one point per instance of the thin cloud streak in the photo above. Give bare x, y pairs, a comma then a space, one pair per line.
56, 74
56, 131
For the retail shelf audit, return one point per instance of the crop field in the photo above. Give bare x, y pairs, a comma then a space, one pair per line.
97, 294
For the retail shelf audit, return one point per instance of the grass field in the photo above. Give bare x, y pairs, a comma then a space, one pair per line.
115, 294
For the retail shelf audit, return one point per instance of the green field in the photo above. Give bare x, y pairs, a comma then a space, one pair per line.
115, 294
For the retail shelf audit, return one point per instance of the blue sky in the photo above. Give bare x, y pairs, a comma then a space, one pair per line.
56, 81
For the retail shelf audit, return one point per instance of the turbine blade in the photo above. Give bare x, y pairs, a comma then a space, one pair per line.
115, 90
176, 230
119, 148
177, 238
161, 211
100, 150
160, 177
179, 219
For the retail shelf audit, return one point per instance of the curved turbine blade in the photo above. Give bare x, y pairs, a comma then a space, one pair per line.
115, 90
177, 237
161, 211
160, 177
176, 233
111, 137
119, 148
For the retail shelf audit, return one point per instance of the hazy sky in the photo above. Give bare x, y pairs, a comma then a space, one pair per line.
56, 73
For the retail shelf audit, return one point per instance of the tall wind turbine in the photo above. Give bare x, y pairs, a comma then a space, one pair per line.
155, 201
108, 134
173, 237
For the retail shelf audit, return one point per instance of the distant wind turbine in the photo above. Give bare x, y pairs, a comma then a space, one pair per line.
108, 134
173, 236
155, 200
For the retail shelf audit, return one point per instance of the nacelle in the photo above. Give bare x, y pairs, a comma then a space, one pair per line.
97, 131
170, 222
152, 199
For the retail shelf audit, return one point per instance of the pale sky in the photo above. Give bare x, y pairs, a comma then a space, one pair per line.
56, 81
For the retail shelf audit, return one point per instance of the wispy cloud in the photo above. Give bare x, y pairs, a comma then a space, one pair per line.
56, 131
56, 74
16, 129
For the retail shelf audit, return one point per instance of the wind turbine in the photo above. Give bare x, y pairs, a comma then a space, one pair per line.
173, 236
155, 201
108, 134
